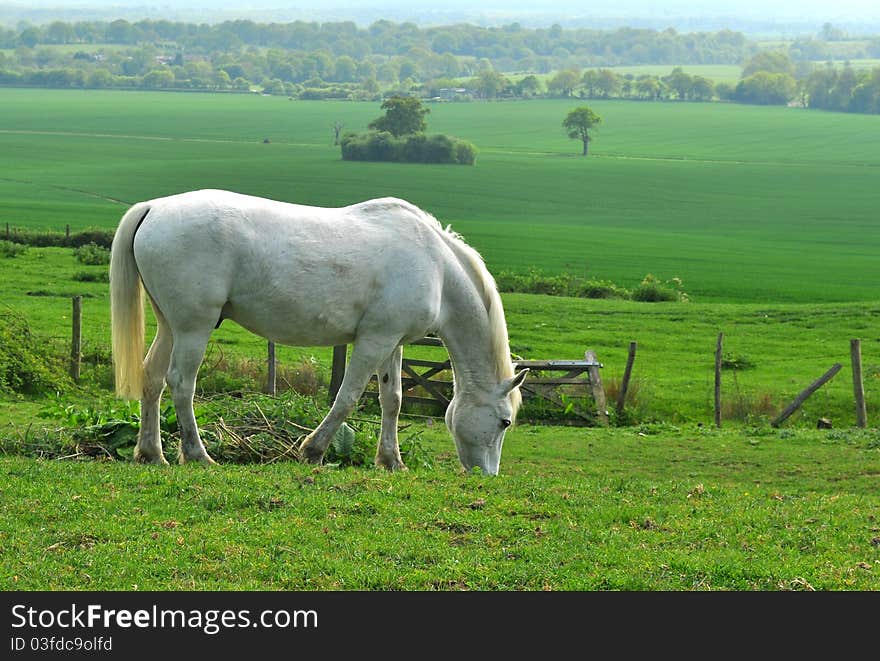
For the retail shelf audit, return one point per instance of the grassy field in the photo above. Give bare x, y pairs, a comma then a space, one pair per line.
767, 214
740, 202
593, 510
779, 348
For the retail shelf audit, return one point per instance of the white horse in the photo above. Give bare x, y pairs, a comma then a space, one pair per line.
376, 275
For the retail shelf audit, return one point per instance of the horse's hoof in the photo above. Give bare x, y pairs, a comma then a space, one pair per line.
309, 455
140, 458
205, 460
392, 465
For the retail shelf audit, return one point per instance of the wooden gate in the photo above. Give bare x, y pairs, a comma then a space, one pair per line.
428, 383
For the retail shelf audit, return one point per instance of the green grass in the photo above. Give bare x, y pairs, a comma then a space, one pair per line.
789, 345
573, 509
739, 202
767, 214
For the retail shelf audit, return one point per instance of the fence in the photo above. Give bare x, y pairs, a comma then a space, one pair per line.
432, 386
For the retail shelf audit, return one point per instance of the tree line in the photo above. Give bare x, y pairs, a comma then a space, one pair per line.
508, 48
462, 62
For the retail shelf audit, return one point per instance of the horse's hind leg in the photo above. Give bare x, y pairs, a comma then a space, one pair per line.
366, 355
390, 395
149, 444
186, 356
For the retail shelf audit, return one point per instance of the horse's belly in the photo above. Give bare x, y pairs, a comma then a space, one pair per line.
297, 323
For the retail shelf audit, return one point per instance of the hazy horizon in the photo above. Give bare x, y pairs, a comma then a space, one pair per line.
772, 16
756, 8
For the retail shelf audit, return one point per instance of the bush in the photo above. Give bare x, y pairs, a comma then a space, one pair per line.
27, 362
93, 254
92, 276
9, 249
417, 148
534, 281
654, 290
601, 289
465, 153
99, 237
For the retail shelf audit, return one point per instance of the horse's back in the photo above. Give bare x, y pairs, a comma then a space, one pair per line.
298, 274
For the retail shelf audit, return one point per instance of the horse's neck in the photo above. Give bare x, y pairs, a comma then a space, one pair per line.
467, 337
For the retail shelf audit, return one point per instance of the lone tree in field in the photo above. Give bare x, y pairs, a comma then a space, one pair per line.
578, 124
404, 115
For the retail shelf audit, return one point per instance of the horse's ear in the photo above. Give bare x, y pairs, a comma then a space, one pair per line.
513, 382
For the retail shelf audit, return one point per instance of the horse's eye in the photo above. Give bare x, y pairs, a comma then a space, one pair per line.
505, 423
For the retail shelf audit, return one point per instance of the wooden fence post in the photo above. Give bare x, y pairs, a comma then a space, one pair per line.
270, 381
627, 373
718, 348
855, 350
76, 339
7, 232
597, 387
337, 370
809, 390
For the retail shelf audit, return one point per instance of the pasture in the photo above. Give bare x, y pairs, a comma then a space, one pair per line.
767, 215
572, 510
740, 202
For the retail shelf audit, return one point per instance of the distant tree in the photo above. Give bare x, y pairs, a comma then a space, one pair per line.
679, 82
765, 88
608, 83
158, 79
528, 86
725, 91
831, 33
648, 87
490, 83
403, 115
29, 37
565, 81
702, 89
578, 124
99, 78
769, 61
370, 86
346, 69
274, 87
590, 81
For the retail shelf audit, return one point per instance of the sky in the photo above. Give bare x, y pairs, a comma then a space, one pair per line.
750, 16
761, 8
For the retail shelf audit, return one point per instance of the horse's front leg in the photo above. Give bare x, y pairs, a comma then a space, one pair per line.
365, 357
390, 396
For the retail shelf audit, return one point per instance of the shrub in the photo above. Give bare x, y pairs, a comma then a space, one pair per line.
92, 253
600, 289
27, 363
465, 153
535, 281
9, 249
92, 276
382, 147
100, 237
654, 290
416, 148
354, 147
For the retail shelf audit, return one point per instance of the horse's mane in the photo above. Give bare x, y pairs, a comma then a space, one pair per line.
485, 284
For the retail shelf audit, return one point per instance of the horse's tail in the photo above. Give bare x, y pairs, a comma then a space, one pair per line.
127, 307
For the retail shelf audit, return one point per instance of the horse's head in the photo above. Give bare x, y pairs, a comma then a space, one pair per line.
478, 424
